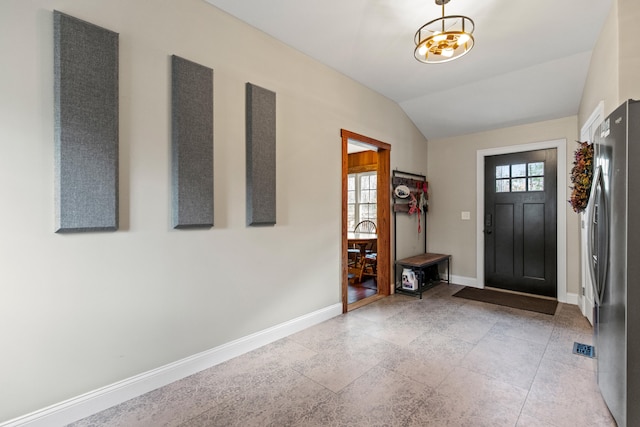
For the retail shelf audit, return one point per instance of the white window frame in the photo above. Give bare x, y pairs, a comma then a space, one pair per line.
358, 203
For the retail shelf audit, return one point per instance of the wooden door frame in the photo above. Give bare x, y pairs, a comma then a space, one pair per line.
561, 225
383, 214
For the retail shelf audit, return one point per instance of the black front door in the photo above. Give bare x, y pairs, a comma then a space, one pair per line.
520, 222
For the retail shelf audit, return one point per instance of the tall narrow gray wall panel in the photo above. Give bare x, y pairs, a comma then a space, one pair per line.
86, 125
261, 155
192, 144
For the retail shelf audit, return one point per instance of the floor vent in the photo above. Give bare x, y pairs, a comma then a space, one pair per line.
583, 350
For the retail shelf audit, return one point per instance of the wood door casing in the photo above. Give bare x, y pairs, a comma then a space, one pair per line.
384, 216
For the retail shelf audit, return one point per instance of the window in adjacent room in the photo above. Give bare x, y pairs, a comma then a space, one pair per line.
362, 198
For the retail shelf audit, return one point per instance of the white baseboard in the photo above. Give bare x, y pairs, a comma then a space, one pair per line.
466, 281
98, 400
571, 299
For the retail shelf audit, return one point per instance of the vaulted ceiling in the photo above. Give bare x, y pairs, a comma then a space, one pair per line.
529, 62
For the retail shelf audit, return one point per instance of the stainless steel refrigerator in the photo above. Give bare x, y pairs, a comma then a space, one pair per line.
614, 244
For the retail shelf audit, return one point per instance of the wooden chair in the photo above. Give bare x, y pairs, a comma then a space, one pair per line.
369, 262
355, 252
366, 226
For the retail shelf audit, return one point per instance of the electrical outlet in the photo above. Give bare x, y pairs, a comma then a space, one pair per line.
466, 215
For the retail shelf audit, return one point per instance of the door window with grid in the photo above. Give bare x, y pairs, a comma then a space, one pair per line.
520, 177
362, 198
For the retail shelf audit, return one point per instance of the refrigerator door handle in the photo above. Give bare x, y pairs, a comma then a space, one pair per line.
591, 209
604, 264
602, 209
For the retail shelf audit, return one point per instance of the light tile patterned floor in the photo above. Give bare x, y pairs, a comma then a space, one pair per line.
402, 361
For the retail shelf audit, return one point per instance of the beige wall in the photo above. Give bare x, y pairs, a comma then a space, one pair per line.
615, 63
612, 78
602, 78
81, 311
452, 181
629, 49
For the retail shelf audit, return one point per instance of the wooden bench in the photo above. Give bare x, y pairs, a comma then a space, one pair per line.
419, 264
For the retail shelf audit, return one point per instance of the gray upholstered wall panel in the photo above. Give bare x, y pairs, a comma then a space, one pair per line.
192, 144
261, 156
86, 125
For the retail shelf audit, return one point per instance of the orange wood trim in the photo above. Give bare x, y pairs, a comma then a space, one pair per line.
365, 301
384, 216
384, 222
345, 279
357, 137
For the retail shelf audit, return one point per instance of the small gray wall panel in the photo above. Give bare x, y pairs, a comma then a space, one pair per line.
86, 125
261, 156
192, 144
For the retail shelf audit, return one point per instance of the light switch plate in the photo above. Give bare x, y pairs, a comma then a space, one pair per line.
466, 215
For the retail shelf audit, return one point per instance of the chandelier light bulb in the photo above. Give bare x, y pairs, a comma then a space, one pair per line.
439, 37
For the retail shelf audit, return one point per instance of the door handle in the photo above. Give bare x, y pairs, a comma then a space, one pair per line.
603, 221
593, 257
605, 216
488, 224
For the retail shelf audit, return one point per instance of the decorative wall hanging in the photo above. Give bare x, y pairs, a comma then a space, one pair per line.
191, 143
86, 125
581, 175
261, 155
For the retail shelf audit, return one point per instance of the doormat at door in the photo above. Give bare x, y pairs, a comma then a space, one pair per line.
507, 299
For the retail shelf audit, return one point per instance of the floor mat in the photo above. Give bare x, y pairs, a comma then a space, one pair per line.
522, 302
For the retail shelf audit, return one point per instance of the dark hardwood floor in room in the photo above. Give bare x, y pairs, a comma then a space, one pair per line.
358, 291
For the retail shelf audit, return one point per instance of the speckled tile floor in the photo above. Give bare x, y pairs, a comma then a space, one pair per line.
401, 361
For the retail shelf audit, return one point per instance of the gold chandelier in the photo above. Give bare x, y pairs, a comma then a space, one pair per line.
444, 39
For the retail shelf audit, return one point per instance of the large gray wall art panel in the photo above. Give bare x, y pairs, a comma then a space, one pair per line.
192, 144
86, 125
261, 156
